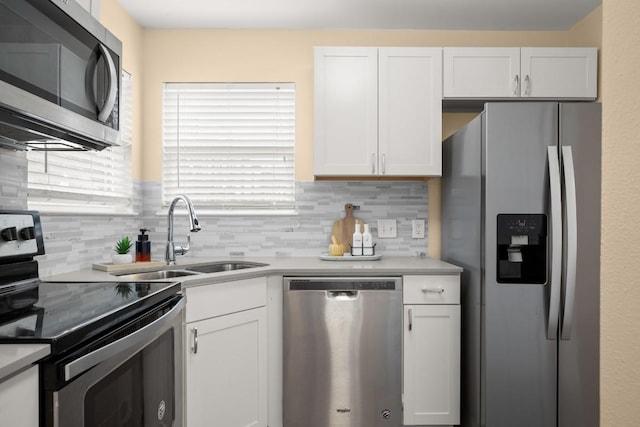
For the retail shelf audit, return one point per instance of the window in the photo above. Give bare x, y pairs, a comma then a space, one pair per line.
83, 181
230, 146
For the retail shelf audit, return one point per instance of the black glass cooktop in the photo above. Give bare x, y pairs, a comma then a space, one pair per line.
66, 315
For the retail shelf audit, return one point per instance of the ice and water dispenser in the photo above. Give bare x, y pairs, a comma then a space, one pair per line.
522, 248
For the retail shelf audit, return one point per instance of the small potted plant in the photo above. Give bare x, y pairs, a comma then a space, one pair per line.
122, 255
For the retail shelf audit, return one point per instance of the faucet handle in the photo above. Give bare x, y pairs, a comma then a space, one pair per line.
181, 250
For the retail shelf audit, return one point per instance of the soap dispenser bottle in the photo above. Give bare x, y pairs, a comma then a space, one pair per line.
367, 242
143, 247
356, 246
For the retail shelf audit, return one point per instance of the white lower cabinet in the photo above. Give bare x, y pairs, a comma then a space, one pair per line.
431, 344
226, 355
19, 404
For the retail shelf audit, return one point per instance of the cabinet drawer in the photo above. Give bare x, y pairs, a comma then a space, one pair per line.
218, 299
431, 289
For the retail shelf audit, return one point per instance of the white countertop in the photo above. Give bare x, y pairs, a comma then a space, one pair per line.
281, 266
14, 357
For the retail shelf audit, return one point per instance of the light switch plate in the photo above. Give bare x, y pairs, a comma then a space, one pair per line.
417, 228
387, 228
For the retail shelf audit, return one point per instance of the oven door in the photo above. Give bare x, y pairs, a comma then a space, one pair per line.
141, 385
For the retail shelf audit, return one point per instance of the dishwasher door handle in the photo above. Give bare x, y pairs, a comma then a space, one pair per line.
342, 295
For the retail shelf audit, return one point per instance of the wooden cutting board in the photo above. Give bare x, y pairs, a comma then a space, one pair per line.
343, 228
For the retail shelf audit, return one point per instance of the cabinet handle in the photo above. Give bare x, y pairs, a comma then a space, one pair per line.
373, 163
432, 290
516, 86
410, 319
527, 85
384, 166
194, 348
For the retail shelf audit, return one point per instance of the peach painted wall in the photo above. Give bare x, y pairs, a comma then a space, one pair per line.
276, 56
120, 23
620, 257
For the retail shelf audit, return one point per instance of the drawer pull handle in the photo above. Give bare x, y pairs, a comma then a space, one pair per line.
432, 290
194, 348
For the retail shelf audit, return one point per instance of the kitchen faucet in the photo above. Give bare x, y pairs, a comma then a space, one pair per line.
172, 249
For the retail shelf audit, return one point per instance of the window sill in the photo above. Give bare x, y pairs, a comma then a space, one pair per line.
230, 213
49, 211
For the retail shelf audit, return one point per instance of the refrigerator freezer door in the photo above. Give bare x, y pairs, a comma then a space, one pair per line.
519, 361
578, 373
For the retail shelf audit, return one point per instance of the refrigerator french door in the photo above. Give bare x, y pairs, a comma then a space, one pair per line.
521, 215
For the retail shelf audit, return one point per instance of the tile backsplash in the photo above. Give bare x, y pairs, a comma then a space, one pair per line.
74, 242
308, 233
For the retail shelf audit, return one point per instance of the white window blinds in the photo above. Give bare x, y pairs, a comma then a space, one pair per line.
230, 146
82, 181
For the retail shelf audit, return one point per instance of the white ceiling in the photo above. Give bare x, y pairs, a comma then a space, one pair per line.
361, 14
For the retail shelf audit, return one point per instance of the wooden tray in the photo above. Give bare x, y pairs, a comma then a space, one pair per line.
111, 267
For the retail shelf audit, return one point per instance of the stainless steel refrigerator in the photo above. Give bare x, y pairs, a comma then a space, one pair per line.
521, 215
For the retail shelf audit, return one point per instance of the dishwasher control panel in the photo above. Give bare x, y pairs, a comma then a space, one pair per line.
343, 283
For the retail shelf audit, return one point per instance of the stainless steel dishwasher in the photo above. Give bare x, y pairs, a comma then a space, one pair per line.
342, 351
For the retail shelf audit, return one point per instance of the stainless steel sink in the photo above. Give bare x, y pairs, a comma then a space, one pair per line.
218, 267
157, 275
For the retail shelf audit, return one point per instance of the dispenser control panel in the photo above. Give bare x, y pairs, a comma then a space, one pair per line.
521, 245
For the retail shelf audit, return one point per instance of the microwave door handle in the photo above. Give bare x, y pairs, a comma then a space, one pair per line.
89, 77
141, 336
556, 242
571, 226
112, 94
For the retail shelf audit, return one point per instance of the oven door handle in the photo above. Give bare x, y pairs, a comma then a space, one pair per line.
142, 335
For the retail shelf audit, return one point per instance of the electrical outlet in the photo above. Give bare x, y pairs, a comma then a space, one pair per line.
417, 230
387, 228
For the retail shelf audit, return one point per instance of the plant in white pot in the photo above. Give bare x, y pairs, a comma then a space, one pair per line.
122, 249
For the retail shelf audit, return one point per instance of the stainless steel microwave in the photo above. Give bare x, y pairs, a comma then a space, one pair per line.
60, 77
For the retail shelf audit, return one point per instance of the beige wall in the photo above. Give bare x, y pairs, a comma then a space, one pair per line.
226, 55
114, 17
620, 292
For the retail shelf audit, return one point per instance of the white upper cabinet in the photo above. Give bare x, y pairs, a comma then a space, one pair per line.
503, 73
559, 72
345, 110
410, 111
377, 111
482, 72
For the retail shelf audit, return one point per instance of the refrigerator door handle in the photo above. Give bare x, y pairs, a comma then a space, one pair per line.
571, 226
556, 242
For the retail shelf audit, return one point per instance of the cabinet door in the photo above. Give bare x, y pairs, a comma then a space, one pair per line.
19, 403
345, 111
410, 111
485, 72
226, 371
559, 72
431, 364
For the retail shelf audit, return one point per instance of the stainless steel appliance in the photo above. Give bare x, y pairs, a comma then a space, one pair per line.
60, 77
342, 351
116, 347
521, 215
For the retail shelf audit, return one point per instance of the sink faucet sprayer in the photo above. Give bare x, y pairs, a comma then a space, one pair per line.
172, 249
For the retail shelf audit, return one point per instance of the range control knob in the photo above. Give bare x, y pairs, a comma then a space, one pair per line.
28, 233
9, 234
